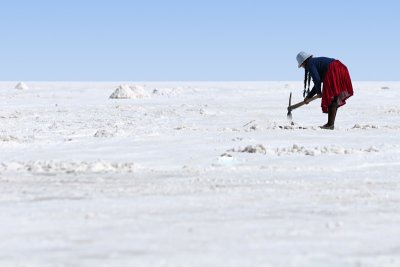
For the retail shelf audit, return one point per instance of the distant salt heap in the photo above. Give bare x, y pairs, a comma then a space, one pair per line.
126, 92
21, 86
123, 91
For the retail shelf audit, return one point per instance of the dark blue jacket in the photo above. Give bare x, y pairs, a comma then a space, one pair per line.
317, 66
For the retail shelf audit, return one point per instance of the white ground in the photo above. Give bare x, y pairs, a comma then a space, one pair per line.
169, 181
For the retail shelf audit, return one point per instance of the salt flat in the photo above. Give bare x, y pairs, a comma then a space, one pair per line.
197, 174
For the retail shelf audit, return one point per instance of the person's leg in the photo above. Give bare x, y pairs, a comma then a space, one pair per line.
332, 110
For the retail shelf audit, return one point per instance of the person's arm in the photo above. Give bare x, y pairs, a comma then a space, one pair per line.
316, 80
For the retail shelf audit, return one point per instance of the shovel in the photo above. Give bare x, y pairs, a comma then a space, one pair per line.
290, 107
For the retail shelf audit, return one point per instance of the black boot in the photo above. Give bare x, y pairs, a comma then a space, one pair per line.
332, 109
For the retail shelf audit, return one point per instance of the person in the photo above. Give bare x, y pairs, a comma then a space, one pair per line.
337, 86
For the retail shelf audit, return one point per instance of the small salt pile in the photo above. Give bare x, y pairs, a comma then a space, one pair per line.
123, 91
21, 86
127, 92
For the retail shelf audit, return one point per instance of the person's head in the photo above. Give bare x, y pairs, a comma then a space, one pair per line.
302, 58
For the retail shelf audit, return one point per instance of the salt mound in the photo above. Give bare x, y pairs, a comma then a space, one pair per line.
129, 92
21, 86
250, 149
123, 91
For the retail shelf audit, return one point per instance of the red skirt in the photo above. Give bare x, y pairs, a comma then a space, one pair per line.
337, 83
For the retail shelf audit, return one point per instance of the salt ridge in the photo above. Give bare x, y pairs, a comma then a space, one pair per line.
66, 167
296, 149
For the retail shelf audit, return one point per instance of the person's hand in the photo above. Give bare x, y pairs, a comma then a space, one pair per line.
306, 101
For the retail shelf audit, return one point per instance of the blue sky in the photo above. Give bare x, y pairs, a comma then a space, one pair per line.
179, 40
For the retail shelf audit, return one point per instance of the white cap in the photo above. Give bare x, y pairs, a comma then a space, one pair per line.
302, 56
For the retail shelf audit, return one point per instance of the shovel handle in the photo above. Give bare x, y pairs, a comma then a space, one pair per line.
302, 103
